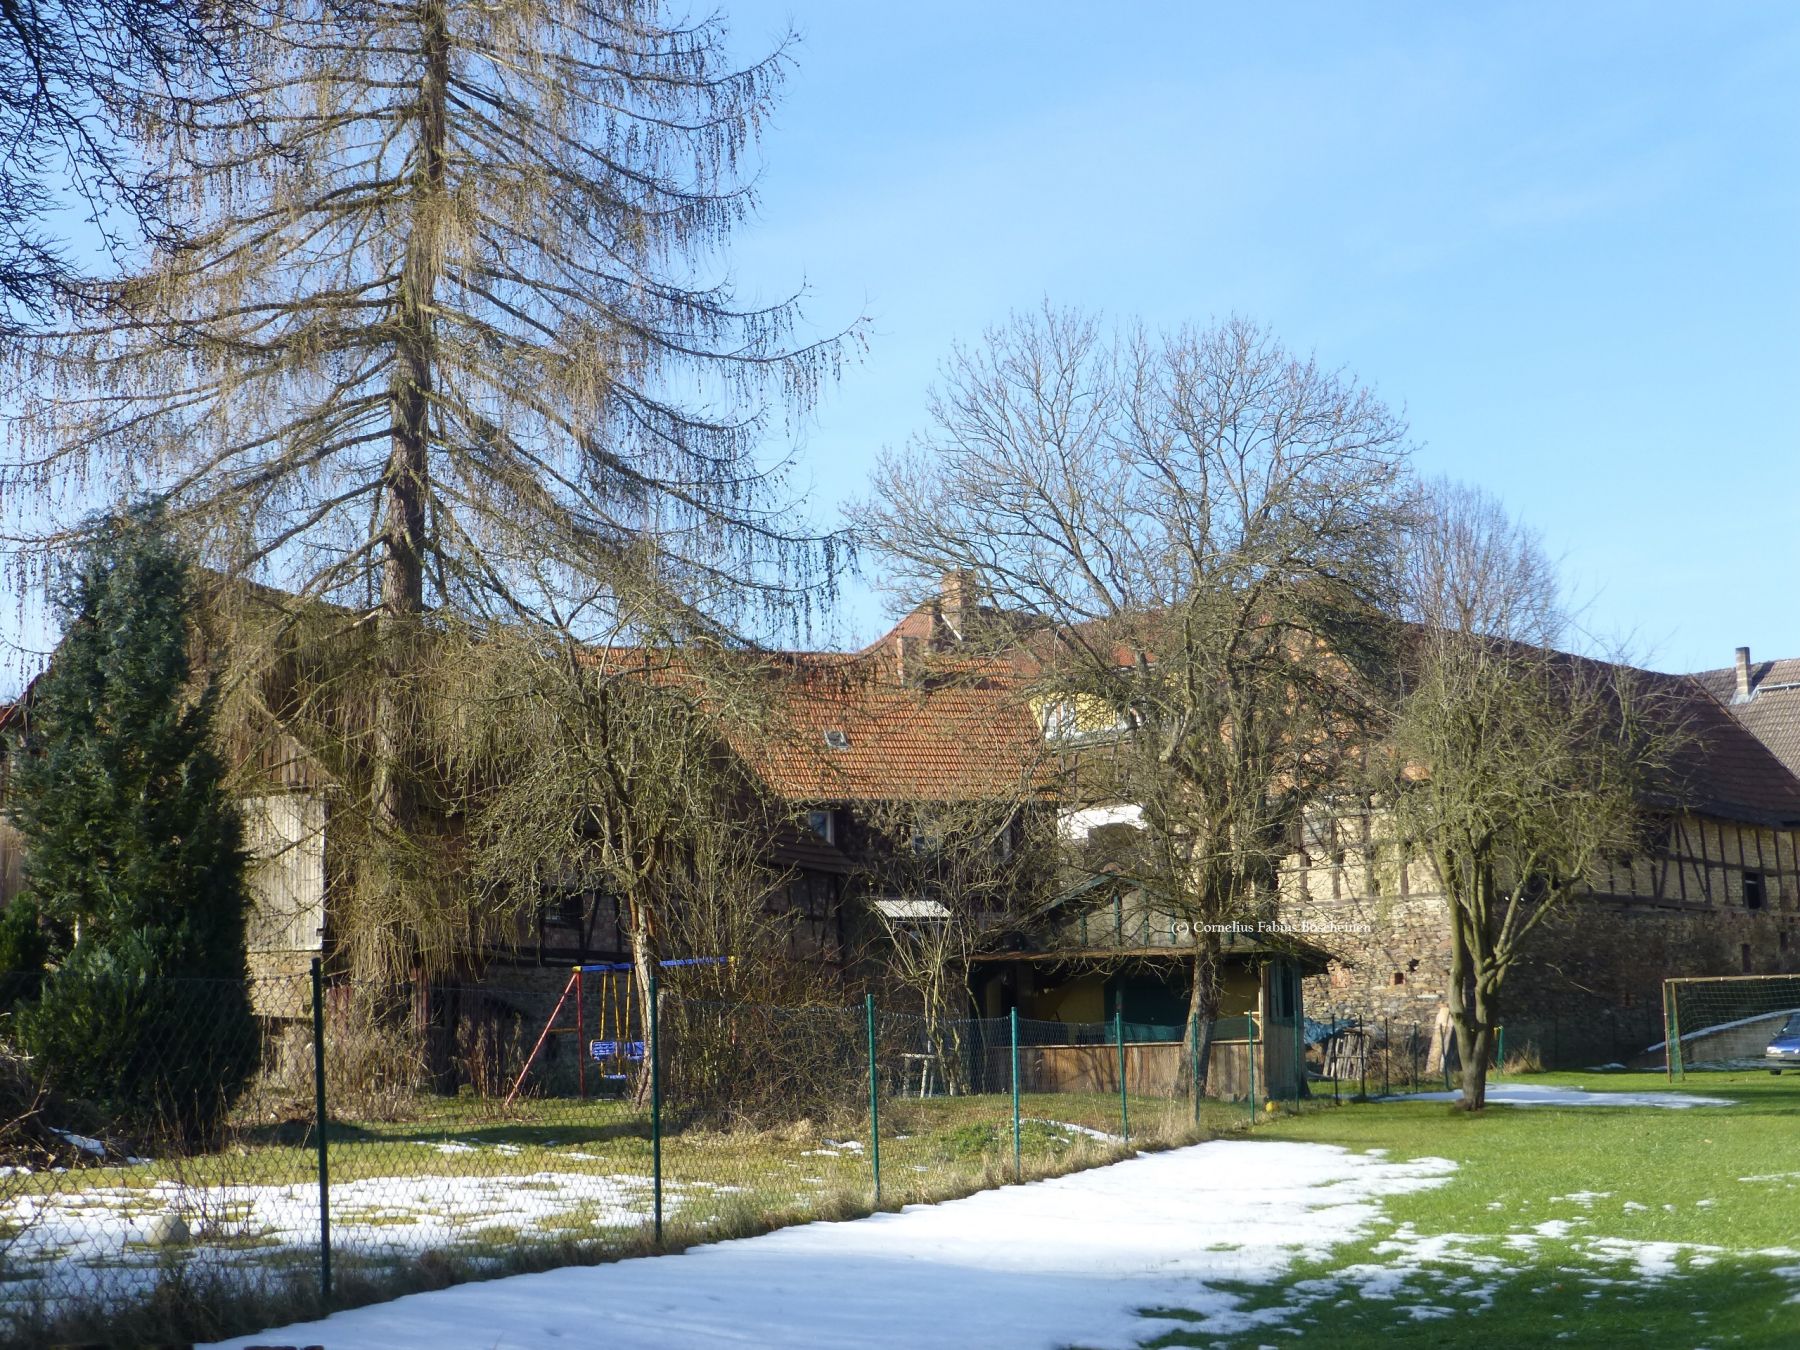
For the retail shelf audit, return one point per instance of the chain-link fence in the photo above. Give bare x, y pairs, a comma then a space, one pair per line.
216, 1157
1352, 1054
1378, 1055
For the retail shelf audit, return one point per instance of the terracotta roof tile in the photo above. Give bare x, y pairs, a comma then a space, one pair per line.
962, 732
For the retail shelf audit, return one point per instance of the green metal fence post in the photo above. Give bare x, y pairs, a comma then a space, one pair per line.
1194, 1065
1299, 1044
319, 1122
1119, 1034
1500, 1053
874, 1100
1017, 1174
1250, 1021
656, 1175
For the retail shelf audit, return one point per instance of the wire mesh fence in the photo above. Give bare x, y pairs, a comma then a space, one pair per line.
239, 1158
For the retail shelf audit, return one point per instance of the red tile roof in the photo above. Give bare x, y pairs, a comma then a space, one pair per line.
957, 730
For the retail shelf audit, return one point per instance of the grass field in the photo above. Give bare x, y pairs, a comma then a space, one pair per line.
1587, 1225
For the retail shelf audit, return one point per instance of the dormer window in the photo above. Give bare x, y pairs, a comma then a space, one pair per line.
836, 739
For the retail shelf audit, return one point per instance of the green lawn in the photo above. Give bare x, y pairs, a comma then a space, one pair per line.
1584, 1225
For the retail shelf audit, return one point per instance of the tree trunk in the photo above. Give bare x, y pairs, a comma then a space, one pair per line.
1469, 1009
643, 967
1474, 1043
404, 480
1203, 1011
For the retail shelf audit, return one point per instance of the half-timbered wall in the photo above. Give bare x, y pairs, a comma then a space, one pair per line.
1710, 897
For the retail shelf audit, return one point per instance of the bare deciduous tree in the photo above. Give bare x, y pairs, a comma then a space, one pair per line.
1519, 769
1195, 532
950, 875
608, 770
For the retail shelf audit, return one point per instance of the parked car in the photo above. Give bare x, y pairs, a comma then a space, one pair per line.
1783, 1051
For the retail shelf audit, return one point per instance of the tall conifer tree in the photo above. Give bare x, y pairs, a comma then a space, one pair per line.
134, 854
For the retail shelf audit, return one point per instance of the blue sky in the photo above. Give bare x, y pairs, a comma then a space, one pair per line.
1562, 237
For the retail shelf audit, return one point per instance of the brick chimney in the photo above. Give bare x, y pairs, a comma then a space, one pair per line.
1743, 676
956, 601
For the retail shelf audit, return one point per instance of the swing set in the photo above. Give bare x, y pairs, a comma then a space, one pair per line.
618, 1026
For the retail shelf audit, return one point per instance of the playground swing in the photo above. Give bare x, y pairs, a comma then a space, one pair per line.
619, 1038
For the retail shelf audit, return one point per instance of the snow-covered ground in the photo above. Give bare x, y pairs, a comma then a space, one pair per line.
1074, 1260
111, 1241
1520, 1094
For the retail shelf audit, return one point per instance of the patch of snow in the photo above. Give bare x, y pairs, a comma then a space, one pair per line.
1581, 1197
1653, 1260
98, 1242
81, 1141
1523, 1094
1070, 1260
1069, 1128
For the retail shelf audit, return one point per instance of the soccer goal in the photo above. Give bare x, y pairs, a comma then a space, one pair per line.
1730, 1022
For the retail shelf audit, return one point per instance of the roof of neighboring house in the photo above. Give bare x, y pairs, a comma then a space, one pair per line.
1772, 712
1728, 767
855, 730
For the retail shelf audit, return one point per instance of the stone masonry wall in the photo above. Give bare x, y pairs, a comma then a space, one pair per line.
1590, 989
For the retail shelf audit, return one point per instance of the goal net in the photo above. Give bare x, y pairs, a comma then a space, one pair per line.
1729, 1022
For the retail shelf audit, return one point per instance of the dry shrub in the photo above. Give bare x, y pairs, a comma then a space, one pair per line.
1526, 1059
738, 1065
374, 1065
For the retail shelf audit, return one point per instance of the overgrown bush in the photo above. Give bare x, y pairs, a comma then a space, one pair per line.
162, 1058
24, 949
747, 1065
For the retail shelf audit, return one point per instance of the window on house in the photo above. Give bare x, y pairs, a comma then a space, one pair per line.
1059, 719
823, 822
1282, 991
1744, 952
1399, 977
836, 739
1753, 890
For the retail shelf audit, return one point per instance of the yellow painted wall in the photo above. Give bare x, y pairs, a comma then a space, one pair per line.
1077, 1000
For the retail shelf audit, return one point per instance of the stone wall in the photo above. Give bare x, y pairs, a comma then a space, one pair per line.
1712, 898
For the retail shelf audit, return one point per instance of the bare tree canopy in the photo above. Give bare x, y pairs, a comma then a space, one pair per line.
1195, 534
441, 335
1517, 769
76, 76
1470, 568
